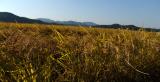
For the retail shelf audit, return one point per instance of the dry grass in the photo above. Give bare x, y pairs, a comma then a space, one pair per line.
45, 53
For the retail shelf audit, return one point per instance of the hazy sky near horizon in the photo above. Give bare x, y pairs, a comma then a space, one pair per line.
138, 12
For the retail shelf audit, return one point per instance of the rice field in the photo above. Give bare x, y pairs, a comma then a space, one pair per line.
57, 53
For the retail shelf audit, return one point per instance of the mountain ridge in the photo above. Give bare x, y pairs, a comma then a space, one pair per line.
68, 22
9, 17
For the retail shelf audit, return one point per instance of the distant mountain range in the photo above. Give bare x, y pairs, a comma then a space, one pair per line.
68, 22
9, 17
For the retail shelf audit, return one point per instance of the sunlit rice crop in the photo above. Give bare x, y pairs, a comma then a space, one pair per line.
55, 53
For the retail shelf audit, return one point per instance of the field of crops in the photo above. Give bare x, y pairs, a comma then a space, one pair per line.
50, 53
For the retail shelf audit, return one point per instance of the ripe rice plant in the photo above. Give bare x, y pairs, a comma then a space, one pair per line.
55, 53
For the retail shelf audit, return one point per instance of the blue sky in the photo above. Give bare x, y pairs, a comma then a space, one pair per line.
138, 12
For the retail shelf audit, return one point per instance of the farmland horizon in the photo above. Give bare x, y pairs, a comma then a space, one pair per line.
144, 13
43, 19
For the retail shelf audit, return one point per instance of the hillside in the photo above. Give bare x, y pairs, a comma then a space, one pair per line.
9, 17
56, 53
